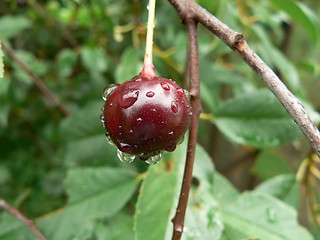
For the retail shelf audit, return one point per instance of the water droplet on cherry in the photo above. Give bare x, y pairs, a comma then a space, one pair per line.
165, 86
129, 98
125, 157
102, 118
154, 159
171, 148
174, 107
150, 94
170, 133
124, 147
108, 90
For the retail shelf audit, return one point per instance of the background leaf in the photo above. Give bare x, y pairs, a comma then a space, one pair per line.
256, 119
264, 217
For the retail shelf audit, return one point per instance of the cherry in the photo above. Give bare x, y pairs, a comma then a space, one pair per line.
145, 116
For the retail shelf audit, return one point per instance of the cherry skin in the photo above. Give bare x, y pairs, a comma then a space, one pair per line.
146, 115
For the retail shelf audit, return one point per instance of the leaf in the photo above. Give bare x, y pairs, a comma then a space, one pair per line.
120, 227
269, 164
300, 13
1, 62
94, 193
256, 119
129, 66
264, 217
157, 195
283, 187
83, 123
94, 59
90, 151
65, 62
11, 26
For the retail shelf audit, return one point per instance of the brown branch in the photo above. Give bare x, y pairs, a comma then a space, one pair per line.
36, 80
188, 8
16, 213
178, 219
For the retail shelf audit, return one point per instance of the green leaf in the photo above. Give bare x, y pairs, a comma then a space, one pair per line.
1, 62
269, 164
283, 187
94, 59
264, 217
256, 119
84, 122
301, 14
82, 183
94, 193
120, 227
157, 195
129, 66
65, 62
90, 151
11, 26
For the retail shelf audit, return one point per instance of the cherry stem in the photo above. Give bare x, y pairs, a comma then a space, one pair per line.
148, 68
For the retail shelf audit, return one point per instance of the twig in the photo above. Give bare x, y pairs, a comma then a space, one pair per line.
36, 80
16, 213
178, 219
188, 8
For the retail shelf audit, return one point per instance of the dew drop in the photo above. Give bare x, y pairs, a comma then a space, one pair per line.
124, 147
102, 109
180, 140
131, 131
138, 80
125, 157
102, 118
170, 133
139, 119
150, 94
271, 214
174, 107
165, 86
186, 93
171, 148
109, 139
154, 159
108, 90
180, 91
129, 98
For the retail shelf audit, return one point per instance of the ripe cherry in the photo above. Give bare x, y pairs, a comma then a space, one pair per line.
145, 116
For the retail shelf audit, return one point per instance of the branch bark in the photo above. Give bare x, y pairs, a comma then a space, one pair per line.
190, 9
178, 220
16, 213
36, 80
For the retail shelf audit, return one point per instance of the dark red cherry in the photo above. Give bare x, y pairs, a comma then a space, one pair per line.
145, 116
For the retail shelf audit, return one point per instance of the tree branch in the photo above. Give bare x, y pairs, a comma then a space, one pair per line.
178, 220
235, 40
15, 212
36, 80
